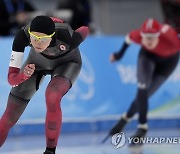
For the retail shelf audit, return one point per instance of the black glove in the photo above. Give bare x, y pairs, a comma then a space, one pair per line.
119, 55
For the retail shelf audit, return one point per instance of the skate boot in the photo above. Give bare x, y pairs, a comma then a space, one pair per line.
137, 138
48, 152
119, 126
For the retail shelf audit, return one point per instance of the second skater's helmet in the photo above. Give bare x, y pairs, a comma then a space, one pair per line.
151, 27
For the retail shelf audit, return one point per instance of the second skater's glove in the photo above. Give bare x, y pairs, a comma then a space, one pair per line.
118, 55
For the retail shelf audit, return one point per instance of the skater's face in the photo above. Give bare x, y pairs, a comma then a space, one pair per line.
150, 42
40, 41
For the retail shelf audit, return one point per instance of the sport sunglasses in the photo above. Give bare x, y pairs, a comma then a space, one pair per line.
40, 38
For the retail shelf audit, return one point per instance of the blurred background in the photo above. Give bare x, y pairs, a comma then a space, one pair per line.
103, 91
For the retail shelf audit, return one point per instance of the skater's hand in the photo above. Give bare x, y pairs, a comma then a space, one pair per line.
15, 77
115, 56
29, 70
112, 58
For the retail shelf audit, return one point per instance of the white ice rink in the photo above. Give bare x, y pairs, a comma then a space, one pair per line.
88, 144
